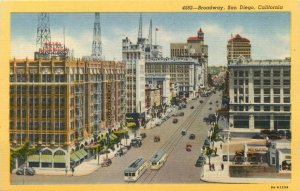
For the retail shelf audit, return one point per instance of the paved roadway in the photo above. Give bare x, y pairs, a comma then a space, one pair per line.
180, 164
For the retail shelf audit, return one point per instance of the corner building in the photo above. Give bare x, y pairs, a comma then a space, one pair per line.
259, 95
61, 106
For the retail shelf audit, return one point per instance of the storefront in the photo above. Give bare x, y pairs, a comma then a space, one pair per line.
256, 153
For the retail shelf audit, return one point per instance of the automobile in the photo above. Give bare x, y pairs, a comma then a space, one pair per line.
257, 136
119, 152
128, 147
136, 143
158, 123
179, 108
175, 120
28, 171
106, 162
180, 114
143, 135
183, 132
192, 107
156, 138
183, 105
188, 147
274, 136
201, 101
138, 137
192, 136
210, 103
210, 108
206, 142
195, 98
200, 161
217, 101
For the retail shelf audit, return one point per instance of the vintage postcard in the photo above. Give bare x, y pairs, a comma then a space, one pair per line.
187, 95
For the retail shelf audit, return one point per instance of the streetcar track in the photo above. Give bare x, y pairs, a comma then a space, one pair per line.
171, 143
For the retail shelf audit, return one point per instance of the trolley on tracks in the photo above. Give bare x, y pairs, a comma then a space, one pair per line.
157, 160
135, 170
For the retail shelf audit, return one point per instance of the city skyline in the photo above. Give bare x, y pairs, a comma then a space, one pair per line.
172, 27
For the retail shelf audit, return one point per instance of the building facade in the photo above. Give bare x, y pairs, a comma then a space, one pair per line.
259, 94
238, 46
183, 73
62, 105
163, 83
134, 58
194, 48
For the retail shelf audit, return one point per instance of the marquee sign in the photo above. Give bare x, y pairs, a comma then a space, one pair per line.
53, 48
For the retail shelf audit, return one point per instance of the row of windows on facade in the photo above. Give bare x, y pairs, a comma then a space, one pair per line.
171, 71
259, 82
265, 91
39, 137
258, 99
60, 77
262, 122
263, 73
149, 66
261, 108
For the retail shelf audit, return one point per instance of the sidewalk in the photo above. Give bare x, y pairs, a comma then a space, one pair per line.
85, 168
222, 176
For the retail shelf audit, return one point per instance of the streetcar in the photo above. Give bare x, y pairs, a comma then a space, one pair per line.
157, 160
135, 170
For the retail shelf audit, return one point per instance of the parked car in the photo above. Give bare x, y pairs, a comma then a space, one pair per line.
136, 143
201, 101
192, 107
258, 136
210, 103
156, 138
181, 114
206, 142
106, 162
143, 135
200, 161
27, 170
183, 132
175, 120
192, 136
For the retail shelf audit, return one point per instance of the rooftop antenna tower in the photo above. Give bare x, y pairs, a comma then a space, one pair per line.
43, 30
150, 34
97, 44
140, 34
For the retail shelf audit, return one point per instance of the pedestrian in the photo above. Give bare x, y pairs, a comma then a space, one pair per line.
221, 146
210, 167
222, 166
72, 170
66, 170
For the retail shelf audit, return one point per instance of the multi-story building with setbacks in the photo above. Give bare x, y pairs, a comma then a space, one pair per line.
61, 106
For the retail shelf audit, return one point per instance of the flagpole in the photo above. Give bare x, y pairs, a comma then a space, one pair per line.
155, 36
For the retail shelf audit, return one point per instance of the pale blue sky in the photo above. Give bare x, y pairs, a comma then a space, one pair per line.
268, 32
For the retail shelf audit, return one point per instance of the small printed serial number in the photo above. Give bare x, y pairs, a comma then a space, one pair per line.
279, 187
187, 7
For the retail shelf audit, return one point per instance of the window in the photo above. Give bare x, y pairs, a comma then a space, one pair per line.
256, 82
276, 108
256, 108
241, 91
286, 91
286, 108
286, 73
286, 82
256, 73
286, 99
267, 73
266, 82
276, 82
262, 122
241, 73
235, 82
266, 108
267, 99
276, 99
276, 91
276, 73
256, 90
256, 99
266, 91
235, 90
241, 82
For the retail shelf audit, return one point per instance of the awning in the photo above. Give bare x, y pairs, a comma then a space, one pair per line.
111, 137
79, 154
83, 152
114, 136
46, 158
121, 131
104, 149
59, 159
33, 158
74, 157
